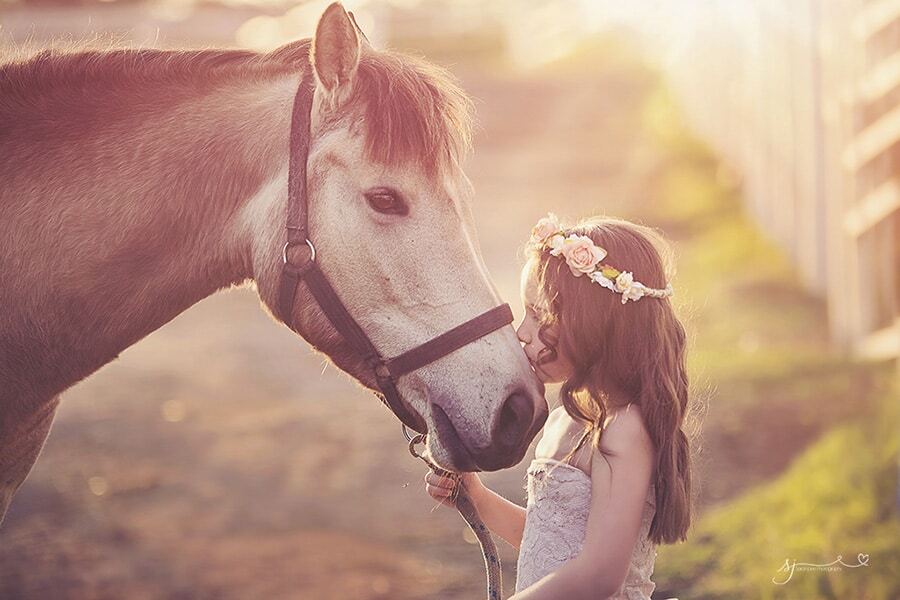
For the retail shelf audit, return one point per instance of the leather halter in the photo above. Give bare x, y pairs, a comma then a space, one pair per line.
386, 371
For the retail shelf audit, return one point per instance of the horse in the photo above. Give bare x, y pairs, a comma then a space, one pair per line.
138, 181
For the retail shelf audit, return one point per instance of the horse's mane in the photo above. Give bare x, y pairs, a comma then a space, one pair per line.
411, 110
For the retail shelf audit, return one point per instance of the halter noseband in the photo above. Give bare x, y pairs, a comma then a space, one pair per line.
386, 371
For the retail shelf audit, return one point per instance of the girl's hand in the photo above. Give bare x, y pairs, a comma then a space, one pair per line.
441, 488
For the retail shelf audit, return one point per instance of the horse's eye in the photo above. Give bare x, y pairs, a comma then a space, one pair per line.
387, 202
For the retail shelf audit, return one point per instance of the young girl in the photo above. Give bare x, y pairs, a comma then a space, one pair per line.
599, 320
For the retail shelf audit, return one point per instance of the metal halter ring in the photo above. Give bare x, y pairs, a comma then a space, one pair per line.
312, 249
407, 434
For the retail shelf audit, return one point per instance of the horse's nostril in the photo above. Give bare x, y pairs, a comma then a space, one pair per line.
514, 421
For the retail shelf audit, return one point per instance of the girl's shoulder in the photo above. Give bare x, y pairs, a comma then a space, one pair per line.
623, 429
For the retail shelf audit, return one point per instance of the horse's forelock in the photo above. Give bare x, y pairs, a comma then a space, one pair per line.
413, 111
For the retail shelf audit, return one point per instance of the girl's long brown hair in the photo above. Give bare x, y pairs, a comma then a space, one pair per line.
637, 349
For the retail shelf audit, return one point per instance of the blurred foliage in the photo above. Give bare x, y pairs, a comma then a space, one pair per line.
65, 3
613, 54
485, 47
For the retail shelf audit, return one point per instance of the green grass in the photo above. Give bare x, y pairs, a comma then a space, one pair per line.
837, 498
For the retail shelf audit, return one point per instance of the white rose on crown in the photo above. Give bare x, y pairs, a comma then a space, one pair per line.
624, 281
628, 287
556, 244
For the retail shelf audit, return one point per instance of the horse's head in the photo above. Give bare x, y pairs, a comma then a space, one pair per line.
390, 216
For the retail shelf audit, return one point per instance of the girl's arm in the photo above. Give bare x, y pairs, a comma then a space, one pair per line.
505, 518
620, 480
501, 516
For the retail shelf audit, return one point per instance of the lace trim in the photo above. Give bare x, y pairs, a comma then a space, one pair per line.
559, 496
535, 468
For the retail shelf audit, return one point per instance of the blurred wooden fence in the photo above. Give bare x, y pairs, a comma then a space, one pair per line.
805, 106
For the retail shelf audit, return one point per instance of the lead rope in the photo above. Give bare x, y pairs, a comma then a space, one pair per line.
470, 515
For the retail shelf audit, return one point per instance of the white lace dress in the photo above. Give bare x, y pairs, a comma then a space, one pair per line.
559, 499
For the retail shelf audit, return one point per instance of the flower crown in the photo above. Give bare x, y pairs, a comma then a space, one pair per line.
584, 258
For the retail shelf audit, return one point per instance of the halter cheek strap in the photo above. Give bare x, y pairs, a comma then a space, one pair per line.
385, 371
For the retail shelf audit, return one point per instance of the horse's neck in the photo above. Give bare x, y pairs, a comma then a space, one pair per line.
145, 231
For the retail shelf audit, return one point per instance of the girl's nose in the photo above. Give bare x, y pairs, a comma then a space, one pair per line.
521, 333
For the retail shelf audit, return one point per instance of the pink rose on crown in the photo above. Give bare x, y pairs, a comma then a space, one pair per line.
545, 228
581, 254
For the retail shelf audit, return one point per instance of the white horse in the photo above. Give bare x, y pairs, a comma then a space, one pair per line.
137, 182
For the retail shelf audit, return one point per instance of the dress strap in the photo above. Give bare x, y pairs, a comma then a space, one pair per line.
584, 436
588, 431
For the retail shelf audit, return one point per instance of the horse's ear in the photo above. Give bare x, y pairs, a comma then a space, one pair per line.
335, 50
